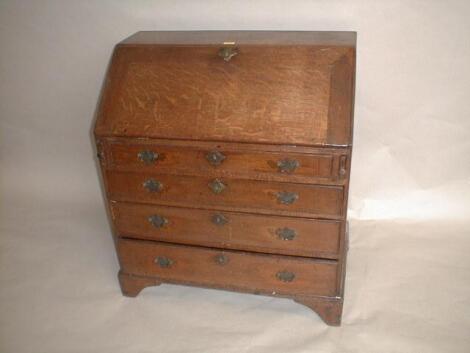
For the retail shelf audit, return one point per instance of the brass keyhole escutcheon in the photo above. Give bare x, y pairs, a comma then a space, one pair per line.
219, 219
217, 186
163, 261
221, 259
215, 158
227, 53
158, 221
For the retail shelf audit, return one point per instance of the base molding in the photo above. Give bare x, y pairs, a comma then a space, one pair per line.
328, 308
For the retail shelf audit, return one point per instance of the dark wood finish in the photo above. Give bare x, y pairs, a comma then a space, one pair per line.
284, 100
242, 231
132, 285
239, 161
329, 309
240, 195
242, 270
267, 93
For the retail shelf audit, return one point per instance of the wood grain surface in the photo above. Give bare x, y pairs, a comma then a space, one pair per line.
266, 93
238, 195
170, 100
322, 166
242, 231
241, 270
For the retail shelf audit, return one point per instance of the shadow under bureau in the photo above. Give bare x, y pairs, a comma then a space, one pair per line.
225, 158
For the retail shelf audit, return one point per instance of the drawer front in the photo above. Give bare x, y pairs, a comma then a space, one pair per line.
228, 269
230, 230
222, 161
228, 194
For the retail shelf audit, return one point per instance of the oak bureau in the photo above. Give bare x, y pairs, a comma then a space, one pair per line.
225, 158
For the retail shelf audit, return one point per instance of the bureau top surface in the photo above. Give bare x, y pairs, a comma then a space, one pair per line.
243, 37
292, 88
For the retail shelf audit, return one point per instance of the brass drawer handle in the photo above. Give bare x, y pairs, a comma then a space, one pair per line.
147, 156
221, 259
158, 221
286, 197
153, 185
219, 219
228, 53
217, 186
215, 158
285, 276
163, 262
286, 233
287, 165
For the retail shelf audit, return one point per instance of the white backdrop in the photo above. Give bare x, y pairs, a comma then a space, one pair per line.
409, 198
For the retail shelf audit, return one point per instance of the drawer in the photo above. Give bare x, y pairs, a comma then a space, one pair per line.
228, 160
229, 194
283, 275
229, 230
